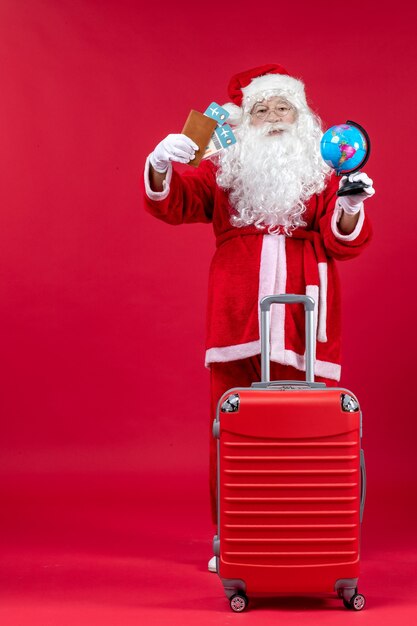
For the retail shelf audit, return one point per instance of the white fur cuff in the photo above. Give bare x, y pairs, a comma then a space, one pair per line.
337, 213
157, 195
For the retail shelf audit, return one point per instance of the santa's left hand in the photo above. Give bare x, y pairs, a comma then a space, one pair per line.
352, 204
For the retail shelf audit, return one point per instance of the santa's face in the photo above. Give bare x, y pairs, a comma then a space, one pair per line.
274, 167
274, 109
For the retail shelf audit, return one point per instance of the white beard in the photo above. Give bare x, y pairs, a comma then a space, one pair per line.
271, 177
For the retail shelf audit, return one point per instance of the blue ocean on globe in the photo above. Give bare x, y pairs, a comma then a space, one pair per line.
344, 148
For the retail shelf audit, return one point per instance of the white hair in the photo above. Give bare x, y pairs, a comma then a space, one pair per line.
270, 177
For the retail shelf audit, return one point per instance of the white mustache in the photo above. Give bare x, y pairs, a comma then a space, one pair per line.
269, 127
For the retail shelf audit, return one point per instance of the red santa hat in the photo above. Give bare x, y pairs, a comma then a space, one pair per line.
261, 83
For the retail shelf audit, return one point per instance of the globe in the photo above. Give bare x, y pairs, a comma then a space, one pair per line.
345, 147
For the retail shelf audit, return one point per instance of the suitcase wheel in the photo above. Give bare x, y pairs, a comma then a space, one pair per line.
238, 602
356, 603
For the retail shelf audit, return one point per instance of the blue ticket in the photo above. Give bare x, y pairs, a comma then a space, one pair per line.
225, 136
222, 138
216, 112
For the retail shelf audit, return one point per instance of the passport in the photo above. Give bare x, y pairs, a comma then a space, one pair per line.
199, 128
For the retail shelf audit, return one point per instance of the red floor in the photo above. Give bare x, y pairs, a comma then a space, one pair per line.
79, 551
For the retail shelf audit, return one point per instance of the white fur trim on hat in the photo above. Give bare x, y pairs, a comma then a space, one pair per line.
274, 84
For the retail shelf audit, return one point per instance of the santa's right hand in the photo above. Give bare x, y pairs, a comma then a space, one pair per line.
179, 148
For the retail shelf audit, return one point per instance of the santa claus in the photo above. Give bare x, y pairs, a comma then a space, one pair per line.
279, 228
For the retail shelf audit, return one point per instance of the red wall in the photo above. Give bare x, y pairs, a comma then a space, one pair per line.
102, 307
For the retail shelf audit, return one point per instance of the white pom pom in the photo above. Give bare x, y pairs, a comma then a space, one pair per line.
235, 113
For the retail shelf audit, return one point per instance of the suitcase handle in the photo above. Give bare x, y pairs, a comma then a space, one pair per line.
363, 484
287, 298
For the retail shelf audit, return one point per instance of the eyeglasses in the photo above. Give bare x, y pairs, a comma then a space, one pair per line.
262, 112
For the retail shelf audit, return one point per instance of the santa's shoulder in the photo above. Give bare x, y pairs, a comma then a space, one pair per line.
206, 171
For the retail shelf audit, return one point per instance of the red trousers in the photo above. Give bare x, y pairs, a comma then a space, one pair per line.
241, 373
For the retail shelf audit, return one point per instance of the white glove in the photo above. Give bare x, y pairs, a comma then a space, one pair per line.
352, 204
178, 148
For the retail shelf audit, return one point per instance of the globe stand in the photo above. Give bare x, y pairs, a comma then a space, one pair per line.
352, 188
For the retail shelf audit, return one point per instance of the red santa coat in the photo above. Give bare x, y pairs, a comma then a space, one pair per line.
249, 264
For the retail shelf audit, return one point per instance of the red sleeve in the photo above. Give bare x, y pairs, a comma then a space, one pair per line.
190, 198
338, 246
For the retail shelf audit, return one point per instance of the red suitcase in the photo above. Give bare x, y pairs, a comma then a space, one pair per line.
291, 483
